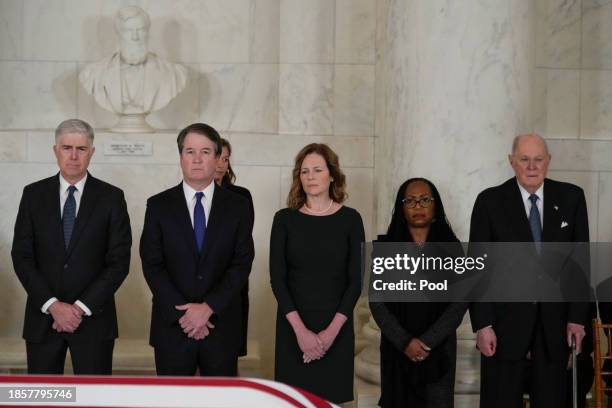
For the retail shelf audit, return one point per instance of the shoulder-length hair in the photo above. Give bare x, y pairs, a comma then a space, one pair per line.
297, 196
440, 229
229, 177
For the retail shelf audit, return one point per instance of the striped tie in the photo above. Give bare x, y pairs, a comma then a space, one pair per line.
69, 215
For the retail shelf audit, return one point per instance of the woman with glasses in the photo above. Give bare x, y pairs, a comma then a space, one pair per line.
225, 177
418, 343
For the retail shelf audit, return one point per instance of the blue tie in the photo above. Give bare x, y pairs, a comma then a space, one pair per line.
534, 221
199, 221
69, 215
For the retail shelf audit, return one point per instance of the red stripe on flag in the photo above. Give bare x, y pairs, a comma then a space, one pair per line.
182, 381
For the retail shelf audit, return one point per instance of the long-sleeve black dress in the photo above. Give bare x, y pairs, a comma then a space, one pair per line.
425, 384
315, 266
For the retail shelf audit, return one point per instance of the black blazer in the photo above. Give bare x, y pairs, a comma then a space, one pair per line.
499, 216
178, 274
90, 270
244, 192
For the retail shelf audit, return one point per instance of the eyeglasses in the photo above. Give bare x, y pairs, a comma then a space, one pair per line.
424, 202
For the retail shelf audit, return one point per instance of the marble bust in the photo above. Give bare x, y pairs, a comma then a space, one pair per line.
132, 82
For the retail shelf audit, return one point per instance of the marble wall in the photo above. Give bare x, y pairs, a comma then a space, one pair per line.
455, 82
271, 75
399, 88
572, 99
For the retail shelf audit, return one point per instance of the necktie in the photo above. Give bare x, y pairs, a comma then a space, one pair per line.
199, 221
69, 215
534, 222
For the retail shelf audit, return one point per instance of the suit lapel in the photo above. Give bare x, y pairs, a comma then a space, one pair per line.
183, 218
515, 210
52, 203
214, 220
551, 216
88, 203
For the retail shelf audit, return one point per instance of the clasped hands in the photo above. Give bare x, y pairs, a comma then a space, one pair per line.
314, 346
196, 320
416, 350
66, 317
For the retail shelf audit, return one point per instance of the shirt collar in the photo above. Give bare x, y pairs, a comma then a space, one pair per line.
525, 194
65, 184
190, 191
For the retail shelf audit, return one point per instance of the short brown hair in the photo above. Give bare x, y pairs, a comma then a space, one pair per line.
297, 196
200, 129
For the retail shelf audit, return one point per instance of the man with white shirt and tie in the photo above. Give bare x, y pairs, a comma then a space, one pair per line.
528, 208
197, 250
71, 252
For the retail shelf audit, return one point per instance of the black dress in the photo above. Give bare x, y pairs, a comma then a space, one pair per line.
245, 290
315, 266
429, 383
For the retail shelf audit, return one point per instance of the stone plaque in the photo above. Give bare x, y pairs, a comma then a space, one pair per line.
128, 148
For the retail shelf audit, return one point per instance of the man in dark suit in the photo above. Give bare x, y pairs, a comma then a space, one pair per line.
71, 252
197, 251
528, 207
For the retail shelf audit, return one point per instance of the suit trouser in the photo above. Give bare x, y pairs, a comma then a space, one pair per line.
503, 380
49, 356
200, 356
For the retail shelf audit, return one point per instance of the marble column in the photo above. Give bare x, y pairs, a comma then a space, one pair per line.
453, 86
453, 82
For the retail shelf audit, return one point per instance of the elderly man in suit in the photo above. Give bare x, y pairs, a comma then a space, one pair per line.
71, 252
197, 250
528, 207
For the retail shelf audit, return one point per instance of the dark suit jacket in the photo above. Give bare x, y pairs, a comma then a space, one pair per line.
244, 192
90, 270
499, 216
177, 274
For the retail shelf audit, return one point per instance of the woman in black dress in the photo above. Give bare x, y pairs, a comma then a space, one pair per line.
315, 261
225, 178
418, 343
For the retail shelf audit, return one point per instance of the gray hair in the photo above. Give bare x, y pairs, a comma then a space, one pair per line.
126, 13
75, 126
518, 138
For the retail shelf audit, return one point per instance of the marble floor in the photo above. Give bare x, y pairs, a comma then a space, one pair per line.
368, 394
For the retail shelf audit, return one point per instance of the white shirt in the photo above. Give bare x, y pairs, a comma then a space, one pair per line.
190, 199
527, 203
63, 194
